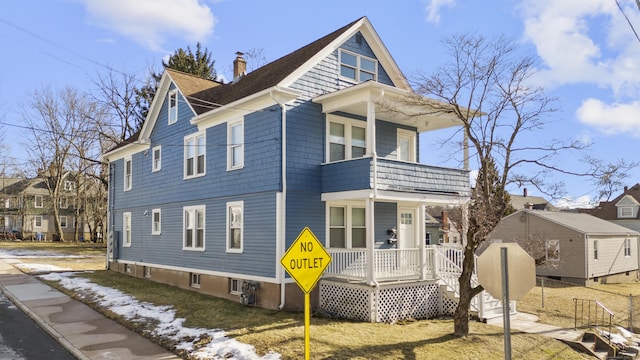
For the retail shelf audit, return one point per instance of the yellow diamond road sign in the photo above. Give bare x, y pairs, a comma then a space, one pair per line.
305, 260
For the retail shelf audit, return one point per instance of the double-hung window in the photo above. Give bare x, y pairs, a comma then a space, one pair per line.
128, 177
595, 250
37, 221
38, 201
156, 221
156, 158
194, 155
173, 106
64, 203
194, 226
346, 139
63, 221
357, 67
235, 139
235, 221
126, 229
347, 226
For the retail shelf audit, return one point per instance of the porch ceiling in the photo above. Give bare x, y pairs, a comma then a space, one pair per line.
390, 105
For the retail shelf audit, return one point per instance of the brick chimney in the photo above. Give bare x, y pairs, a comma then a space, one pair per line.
445, 226
239, 66
524, 192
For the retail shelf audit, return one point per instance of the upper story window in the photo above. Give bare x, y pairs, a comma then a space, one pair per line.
235, 150
625, 211
68, 185
173, 106
128, 176
346, 139
406, 145
38, 201
357, 67
194, 155
64, 203
156, 156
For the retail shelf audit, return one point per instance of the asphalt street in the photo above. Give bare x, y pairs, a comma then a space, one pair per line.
22, 339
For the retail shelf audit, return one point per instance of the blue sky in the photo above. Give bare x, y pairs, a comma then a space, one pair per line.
588, 53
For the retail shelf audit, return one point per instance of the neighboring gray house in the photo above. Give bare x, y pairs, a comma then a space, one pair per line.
222, 178
573, 247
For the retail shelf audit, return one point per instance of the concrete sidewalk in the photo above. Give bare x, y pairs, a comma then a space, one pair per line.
83, 331
529, 323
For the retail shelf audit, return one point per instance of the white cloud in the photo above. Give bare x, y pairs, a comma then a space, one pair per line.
611, 119
433, 9
149, 22
582, 202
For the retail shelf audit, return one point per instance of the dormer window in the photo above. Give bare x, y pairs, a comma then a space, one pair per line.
357, 67
625, 212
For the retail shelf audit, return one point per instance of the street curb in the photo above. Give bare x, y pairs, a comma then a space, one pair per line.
44, 325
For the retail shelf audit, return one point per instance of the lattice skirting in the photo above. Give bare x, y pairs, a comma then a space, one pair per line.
386, 303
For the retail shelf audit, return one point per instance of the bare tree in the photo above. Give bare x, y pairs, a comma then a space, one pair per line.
486, 86
57, 122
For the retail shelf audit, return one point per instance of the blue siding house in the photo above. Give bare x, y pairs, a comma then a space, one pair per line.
222, 178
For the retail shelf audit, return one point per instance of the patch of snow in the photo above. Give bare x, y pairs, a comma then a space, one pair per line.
31, 254
220, 346
39, 268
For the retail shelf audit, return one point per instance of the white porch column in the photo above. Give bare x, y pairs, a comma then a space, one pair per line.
421, 238
371, 128
370, 224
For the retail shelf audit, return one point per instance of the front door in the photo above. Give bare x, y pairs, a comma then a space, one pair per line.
406, 228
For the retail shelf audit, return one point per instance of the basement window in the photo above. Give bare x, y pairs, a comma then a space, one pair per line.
195, 281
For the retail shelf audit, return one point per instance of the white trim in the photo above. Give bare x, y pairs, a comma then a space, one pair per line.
348, 124
357, 68
394, 196
231, 205
35, 201
194, 137
66, 221
193, 211
348, 207
231, 145
153, 221
155, 168
126, 236
35, 225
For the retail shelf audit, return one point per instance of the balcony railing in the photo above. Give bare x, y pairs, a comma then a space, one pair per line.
393, 175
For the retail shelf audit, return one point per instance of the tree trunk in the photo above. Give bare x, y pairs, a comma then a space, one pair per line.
467, 292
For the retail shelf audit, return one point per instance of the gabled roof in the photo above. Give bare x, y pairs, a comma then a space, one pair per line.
580, 222
607, 210
539, 203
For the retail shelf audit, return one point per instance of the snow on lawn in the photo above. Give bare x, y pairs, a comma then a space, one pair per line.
220, 346
39, 268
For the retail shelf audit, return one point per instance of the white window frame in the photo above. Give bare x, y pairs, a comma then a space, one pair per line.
126, 229
358, 67
156, 160
195, 280
63, 221
231, 206
627, 248
156, 230
190, 221
38, 201
198, 150
547, 247
412, 144
595, 250
625, 211
172, 106
37, 222
232, 147
348, 223
235, 286
128, 174
68, 185
348, 124
64, 203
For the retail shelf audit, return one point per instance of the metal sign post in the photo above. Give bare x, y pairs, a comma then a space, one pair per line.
505, 303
